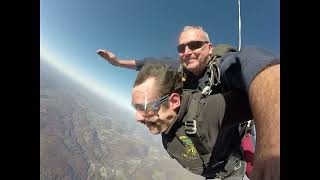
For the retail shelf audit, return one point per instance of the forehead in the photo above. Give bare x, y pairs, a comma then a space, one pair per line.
190, 35
146, 89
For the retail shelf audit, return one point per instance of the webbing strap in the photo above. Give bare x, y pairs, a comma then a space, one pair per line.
193, 125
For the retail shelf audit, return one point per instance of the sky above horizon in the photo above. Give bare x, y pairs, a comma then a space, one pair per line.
71, 32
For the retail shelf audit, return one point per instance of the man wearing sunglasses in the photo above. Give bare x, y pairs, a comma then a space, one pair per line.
163, 106
252, 70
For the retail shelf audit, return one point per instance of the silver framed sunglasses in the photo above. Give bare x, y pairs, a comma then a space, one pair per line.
154, 105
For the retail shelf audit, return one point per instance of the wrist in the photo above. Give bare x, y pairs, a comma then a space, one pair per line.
116, 62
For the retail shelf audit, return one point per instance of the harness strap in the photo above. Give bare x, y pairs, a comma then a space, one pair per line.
214, 77
192, 124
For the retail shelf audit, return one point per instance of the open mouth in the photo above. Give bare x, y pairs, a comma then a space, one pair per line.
147, 123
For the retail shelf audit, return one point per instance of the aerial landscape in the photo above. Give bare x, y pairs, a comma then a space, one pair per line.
83, 136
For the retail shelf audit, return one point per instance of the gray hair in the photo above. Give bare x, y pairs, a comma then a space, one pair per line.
206, 36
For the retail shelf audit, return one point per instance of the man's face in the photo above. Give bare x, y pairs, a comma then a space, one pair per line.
194, 50
157, 121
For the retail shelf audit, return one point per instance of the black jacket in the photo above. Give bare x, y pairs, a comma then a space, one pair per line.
218, 127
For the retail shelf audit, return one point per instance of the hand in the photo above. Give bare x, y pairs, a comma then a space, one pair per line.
110, 57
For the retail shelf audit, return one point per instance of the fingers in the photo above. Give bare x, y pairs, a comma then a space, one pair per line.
107, 55
104, 52
101, 51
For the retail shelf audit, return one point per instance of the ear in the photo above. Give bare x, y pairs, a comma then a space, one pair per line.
174, 101
211, 48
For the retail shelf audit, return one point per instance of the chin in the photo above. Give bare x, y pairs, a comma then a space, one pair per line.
154, 132
192, 66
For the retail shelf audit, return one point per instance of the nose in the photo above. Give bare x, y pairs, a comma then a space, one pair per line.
139, 117
187, 51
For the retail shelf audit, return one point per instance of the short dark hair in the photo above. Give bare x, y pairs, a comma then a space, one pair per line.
168, 78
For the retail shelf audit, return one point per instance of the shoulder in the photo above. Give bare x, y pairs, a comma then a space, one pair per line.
221, 101
227, 108
222, 49
238, 69
215, 105
215, 98
210, 103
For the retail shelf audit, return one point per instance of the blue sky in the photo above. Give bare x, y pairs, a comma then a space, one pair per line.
71, 31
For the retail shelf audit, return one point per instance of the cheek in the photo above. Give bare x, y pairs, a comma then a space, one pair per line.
182, 58
163, 115
202, 58
159, 120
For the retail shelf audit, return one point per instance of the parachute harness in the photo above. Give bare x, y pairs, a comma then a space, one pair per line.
214, 76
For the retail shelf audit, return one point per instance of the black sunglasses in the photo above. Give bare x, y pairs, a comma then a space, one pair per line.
192, 45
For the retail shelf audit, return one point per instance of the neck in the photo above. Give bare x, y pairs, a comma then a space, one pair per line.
197, 73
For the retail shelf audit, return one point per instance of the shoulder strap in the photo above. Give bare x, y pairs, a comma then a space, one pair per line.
193, 124
213, 78
213, 70
194, 130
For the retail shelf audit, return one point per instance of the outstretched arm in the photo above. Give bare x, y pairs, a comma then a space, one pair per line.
112, 59
264, 96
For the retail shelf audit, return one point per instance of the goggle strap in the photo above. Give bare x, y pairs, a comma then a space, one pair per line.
163, 99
